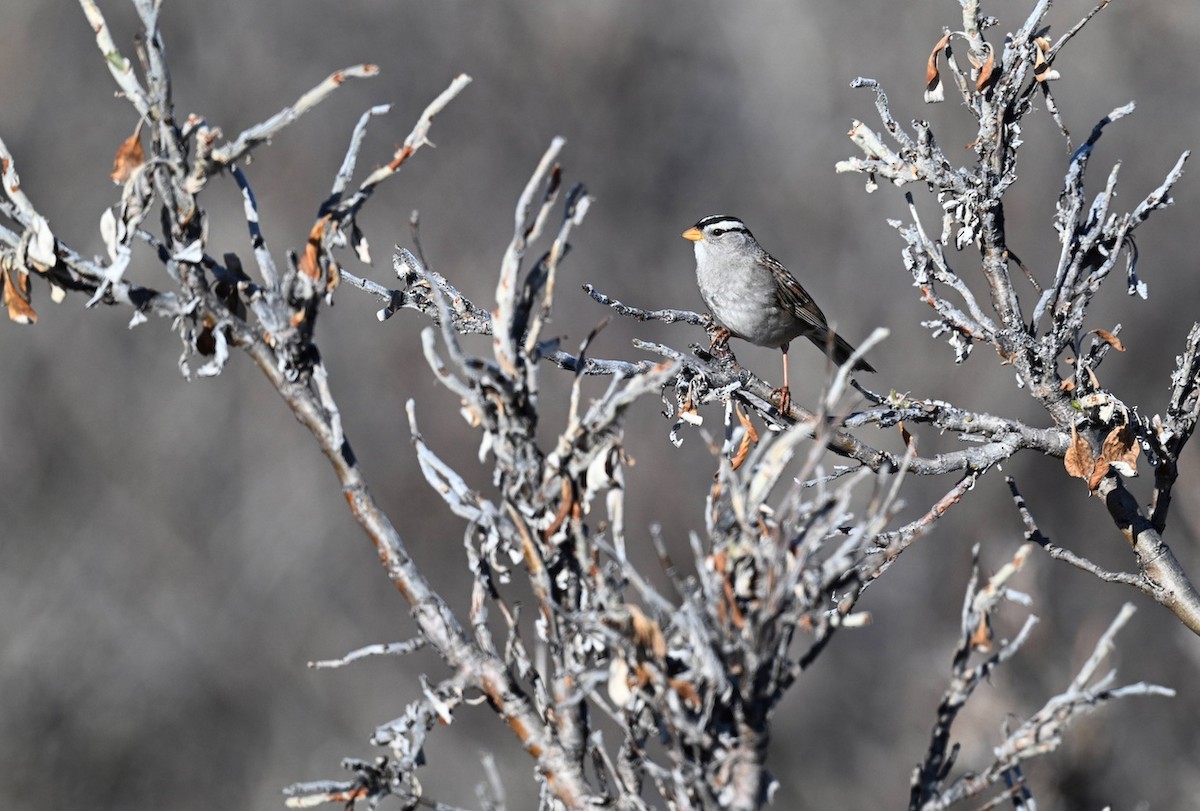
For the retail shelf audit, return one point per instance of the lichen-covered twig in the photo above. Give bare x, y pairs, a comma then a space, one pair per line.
931, 786
1098, 434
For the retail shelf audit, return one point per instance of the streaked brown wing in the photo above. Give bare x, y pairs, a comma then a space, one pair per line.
793, 297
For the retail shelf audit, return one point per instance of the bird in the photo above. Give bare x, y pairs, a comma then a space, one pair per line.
752, 296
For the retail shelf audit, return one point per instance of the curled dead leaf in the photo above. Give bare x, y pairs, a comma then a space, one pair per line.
1078, 459
986, 69
16, 296
1110, 339
687, 691
749, 438
689, 413
736, 617
647, 633
335, 278
566, 501
310, 263
981, 637
1098, 474
1121, 449
1118, 452
130, 155
1042, 71
934, 90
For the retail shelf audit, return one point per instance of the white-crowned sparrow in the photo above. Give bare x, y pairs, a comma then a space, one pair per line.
753, 297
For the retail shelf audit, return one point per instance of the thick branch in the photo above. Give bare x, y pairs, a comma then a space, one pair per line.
437, 622
1157, 562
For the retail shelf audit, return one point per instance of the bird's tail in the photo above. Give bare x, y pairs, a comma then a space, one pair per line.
838, 349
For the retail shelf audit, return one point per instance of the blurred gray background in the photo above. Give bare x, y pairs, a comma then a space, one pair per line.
172, 553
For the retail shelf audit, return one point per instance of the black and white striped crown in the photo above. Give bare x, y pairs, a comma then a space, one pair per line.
719, 224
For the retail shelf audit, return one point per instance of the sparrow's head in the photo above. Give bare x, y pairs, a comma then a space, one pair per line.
720, 233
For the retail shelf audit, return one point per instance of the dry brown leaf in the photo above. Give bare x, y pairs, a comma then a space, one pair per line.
335, 278
718, 560
742, 452
934, 91
908, 438
130, 155
687, 691
986, 69
1119, 452
16, 297
749, 438
981, 637
1078, 459
689, 413
1042, 71
566, 499
1110, 339
647, 633
1098, 474
731, 602
1121, 449
310, 264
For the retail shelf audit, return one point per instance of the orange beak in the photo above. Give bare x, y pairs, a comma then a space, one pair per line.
693, 234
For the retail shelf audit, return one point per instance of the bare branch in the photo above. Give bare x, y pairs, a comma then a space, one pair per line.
389, 649
974, 634
417, 138
120, 67
235, 150
667, 316
1032, 533
346, 170
1039, 734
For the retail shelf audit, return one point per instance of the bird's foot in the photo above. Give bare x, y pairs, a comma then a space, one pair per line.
720, 340
782, 397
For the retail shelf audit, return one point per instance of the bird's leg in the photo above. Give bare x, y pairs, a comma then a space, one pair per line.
784, 393
720, 339
719, 346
